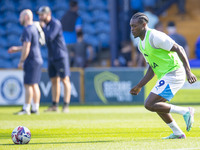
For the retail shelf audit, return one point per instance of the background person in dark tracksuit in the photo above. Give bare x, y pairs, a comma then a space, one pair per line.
58, 61
31, 62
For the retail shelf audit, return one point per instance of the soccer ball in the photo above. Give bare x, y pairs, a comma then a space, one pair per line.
21, 135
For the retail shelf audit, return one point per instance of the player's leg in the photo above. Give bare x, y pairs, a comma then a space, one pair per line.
36, 99
63, 70
158, 104
28, 98
55, 80
36, 73
67, 93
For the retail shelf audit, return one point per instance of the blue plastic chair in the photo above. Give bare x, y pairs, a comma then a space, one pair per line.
86, 16
91, 39
89, 28
3, 42
13, 40
102, 27
59, 13
8, 5
11, 17
2, 31
13, 28
104, 40
100, 15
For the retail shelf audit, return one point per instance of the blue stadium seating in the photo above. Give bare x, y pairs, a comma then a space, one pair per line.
10, 17
102, 27
4, 54
59, 13
45, 64
5, 63
15, 62
24, 5
97, 4
89, 28
13, 28
7, 5
13, 40
2, 31
86, 16
44, 52
3, 42
104, 39
91, 39
94, 14
100, 15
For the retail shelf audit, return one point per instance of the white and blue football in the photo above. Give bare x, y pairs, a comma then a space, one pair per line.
21, 135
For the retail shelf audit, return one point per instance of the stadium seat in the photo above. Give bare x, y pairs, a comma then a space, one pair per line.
60, 6
40, 3
44, 52
45, 64
10, 17
5, 63
59, 13
13, 28
91, 39
104, 40
4, 54
1, 19
15, 55
7, 5
2, 31
86, 16
89, 28
97, 4
23, 4
3, 42
82, 5
102, 27
15, 62
100, 15
13, 40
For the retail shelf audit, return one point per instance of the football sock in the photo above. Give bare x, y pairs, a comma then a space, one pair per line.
55, 104
175, 128
27, 107
66, 104
35, 106
178, 109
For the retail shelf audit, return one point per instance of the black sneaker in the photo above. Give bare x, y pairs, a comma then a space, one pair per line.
35, 112
22, 112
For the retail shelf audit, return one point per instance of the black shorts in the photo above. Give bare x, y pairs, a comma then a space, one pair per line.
32, 72
59, 68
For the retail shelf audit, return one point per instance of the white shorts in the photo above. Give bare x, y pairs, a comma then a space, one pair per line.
168, 85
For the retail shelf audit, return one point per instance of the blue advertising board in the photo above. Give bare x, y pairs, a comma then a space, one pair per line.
112, 85
45, 88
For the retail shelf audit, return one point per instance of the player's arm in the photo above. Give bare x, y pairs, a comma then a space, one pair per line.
148, 76
14, 49
53, 32
25, 51
182, 55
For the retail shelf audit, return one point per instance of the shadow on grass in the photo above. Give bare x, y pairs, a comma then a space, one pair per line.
81, 142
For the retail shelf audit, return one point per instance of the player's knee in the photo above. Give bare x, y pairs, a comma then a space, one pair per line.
149, 107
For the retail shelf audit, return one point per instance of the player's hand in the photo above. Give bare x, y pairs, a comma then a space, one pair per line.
20, 65
135, 90
12, 49
191, 77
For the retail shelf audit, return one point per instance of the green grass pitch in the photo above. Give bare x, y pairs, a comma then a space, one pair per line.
96, 128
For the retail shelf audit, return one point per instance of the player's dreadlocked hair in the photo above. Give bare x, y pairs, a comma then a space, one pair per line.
141, 17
